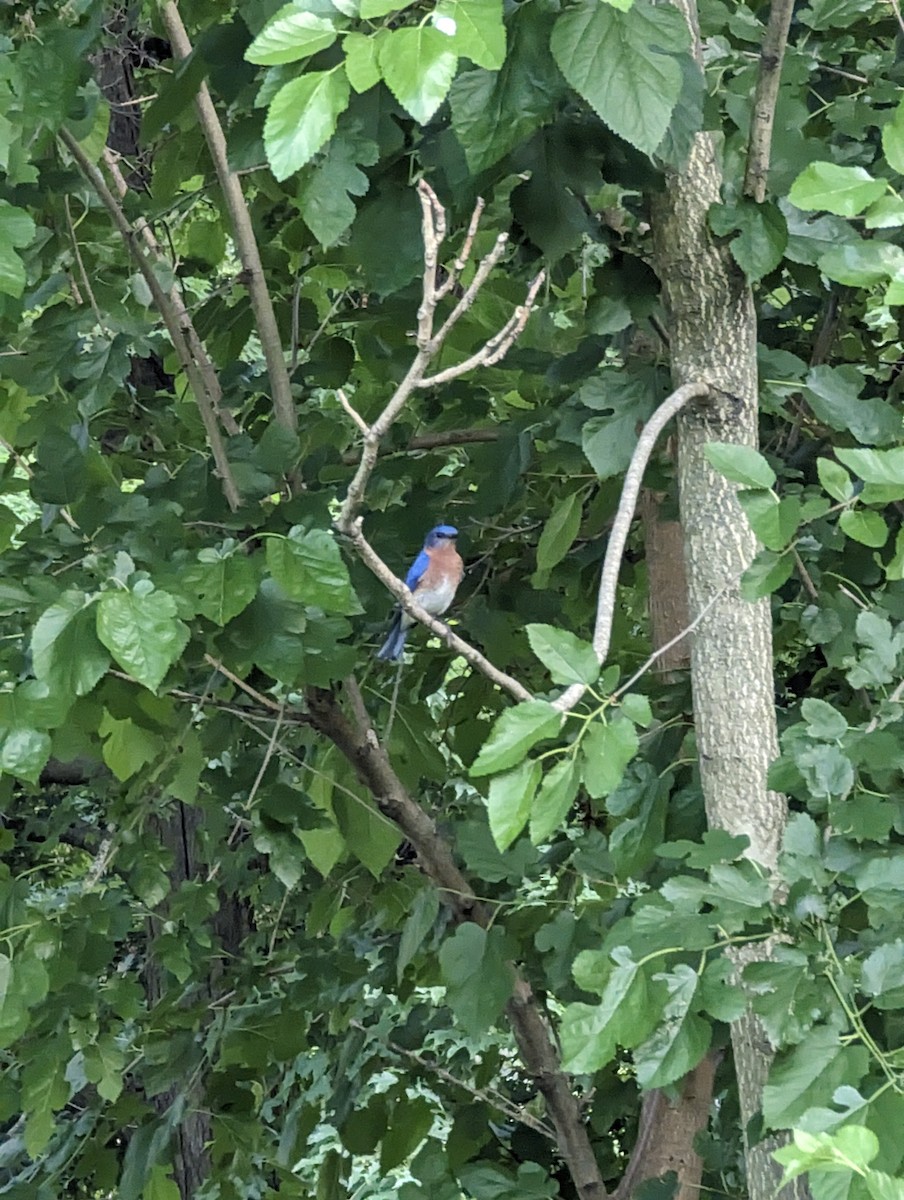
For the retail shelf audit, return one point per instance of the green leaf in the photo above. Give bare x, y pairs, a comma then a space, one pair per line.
515, 732
559, 531
680, 1041
412, 1120
308, 567
127, 746
23, 752
629, 1009
834, 479
477, 975
64, 646
893, 139
762, 235
17, 229
773, 521
554, 799
44, 1091
864, 526
895, 569
607, 749
302, 117
766, 574
419, 922
862, 264
292, 34
372, 9
832, 393
479, 32
823, 720
623, 64
361, 66
568, 659
886, 213
418, 66
845, 191
325, 199
222, 585
808, 1076
142, 632
740, 464
876, 466
509, 801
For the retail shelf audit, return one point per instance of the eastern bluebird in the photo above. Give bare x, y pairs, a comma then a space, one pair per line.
433, 578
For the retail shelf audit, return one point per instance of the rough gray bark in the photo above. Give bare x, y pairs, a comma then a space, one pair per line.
712, 335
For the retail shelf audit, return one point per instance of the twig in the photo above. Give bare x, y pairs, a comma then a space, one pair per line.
433, 441
666, 646
805, 577
605, 608
897, 11
772, 52
355, 416
493, 1098
246, 244
265, 701
76, 250
129, 236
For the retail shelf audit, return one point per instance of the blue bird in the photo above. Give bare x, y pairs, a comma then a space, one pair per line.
433, 579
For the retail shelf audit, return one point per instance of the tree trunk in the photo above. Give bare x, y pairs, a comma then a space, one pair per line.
712, 335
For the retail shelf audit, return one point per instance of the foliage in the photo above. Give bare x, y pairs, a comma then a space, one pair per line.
300, 981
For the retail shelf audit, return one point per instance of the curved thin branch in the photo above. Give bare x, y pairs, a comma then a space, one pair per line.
618, 536
428, 441
772, 52
246, 244
129, 235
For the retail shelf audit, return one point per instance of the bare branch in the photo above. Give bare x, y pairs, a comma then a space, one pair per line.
76, 250
192, 339
246, 244
435, 441
772, 52
355, 416
170, 317
618, 536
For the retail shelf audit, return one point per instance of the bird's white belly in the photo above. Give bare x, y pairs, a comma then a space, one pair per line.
436, 599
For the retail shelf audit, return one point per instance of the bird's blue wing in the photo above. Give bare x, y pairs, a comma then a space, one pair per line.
417, 569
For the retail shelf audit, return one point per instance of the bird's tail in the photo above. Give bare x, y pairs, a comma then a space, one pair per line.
391, 650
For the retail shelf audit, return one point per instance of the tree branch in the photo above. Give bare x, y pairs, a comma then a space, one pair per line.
618, 536
170, 317
190, 333
246, 244
770, 75
431, 441
360, 745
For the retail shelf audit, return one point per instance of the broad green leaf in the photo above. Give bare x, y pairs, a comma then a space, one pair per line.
419, 922
568, 659
809, 1075
325, 199
559, 531
824, 721
886, 213
418, 66
292, 34
308, 567
882, 1186
893, 139
361, 66
477, 975
127, 746
628, 1010
875, 466
833, 395
412, 1120
222, 586
64, 646
623, 64
302, 117
509, 801
142, 632
476, 30
372, 9
864, 526
762, 235
17, 230
773, 521
554, 799
680, 1041
834, 479
23, 752
845, 191
862, 264
895, 568
766, 574
44, 1091
740, 464
607, 749
515, 732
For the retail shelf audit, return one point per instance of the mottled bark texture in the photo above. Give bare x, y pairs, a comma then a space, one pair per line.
712, 332
666, 583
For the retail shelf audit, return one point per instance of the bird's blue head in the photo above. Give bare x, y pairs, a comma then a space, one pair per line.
442, 533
